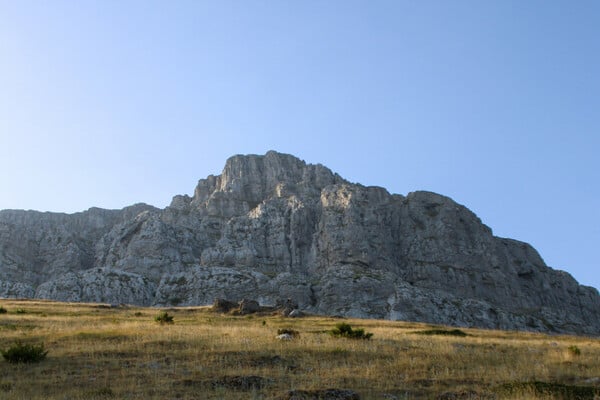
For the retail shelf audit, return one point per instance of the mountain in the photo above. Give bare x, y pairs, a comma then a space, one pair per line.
272, 228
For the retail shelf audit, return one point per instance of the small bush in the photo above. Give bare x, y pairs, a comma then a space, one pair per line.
345, 330
444, 332
338, 351
286, 331
6, 386
21, 311
103, 392
3, 310
574, 350
164, 318
24, 353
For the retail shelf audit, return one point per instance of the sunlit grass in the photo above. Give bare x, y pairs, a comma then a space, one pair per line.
100, 352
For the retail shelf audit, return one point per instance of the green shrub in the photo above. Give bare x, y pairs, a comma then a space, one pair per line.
574, 350
338, 351
3, 310
345, 330
102, 392
6, 386
21, 311
24, 353
164, 318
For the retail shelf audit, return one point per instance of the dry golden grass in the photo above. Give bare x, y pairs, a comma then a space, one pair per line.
98, 352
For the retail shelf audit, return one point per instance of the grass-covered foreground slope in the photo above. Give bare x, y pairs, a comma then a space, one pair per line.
98, 352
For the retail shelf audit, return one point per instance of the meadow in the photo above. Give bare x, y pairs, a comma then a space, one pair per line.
96, 351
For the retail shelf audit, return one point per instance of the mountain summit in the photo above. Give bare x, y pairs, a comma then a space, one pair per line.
271, 228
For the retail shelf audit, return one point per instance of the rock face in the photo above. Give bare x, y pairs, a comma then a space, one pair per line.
272, 228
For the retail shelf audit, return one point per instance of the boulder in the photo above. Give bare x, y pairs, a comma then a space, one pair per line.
247, 306
223, 306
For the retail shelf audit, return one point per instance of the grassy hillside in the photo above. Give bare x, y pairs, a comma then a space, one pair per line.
98, 352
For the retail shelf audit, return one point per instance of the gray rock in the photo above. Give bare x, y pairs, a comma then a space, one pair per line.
17, 290
223, 305
284, 336
36, 247
99, 285
201, 285
248, 306
273, 227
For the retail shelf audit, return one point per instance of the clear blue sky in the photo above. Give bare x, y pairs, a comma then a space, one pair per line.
495, 104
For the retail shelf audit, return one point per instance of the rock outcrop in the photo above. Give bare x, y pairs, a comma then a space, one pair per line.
272, 228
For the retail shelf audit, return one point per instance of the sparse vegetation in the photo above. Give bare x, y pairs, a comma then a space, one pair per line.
103, 392
346, 331
164, 318
24, 353
443, 332
552, 390
574, 350
287, 331
6, 386
108, 353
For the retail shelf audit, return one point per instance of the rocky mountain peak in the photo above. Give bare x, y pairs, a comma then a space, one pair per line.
257, 177
272, 227
247, 180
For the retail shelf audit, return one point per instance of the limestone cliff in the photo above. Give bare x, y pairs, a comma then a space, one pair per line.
273, 227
